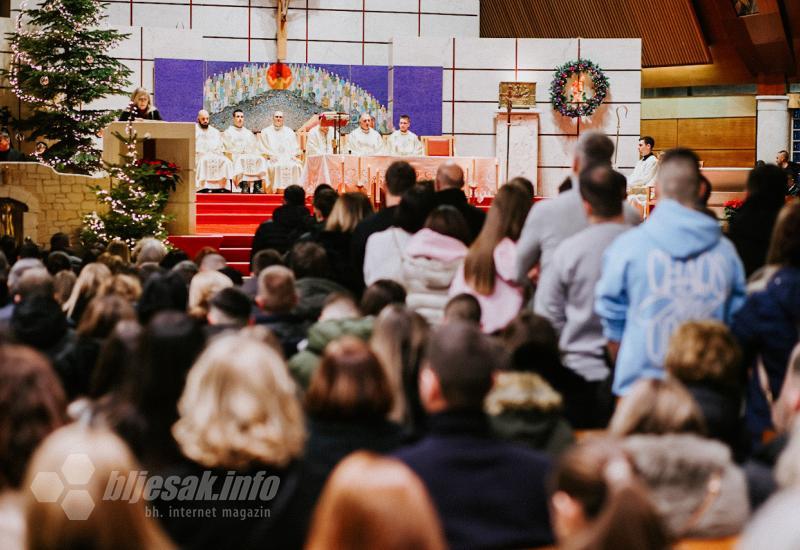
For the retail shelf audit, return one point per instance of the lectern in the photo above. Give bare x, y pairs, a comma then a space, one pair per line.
174, 142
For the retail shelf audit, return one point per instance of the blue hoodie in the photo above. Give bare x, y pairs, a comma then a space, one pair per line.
675, 267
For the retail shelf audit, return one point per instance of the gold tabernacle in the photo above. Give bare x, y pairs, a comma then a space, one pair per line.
519, 94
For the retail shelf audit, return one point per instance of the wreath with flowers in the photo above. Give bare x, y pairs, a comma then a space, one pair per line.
575, 102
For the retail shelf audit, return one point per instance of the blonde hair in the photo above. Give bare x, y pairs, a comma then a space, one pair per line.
203, 287
276, 290
349, 210
126, 287
140, 92
111, 523
239, 407
377, 502
657, 407
703, 351
86, 285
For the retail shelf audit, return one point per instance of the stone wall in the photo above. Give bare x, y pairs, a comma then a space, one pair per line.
56, 202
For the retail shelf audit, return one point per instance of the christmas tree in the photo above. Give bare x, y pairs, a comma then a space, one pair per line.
60, 65
136, 199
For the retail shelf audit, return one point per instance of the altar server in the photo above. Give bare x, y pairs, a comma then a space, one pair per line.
644, 173
283, 153
365, 141
319, 142
249, 164
213, 168
404, 142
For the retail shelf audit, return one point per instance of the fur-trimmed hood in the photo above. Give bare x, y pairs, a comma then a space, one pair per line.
679, 469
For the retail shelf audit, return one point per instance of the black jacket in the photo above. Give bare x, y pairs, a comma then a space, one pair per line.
288, 328
750, 230
312, 293
344, 270
457, 199
280, 233
489, 493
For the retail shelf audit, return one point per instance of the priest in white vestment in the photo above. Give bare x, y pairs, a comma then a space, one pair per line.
364, 141
404, 142
212, 167
249, 164
643, 176
283, 153
319, 141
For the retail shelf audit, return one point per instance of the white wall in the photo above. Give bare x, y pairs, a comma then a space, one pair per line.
474, 67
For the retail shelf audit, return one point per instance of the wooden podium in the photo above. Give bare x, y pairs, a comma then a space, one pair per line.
174, 142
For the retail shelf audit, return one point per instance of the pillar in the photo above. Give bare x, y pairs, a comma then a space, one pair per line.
772, 132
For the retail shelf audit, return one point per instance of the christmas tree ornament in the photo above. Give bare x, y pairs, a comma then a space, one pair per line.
44, 81
89, 59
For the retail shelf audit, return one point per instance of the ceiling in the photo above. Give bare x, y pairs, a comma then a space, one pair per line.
684, 42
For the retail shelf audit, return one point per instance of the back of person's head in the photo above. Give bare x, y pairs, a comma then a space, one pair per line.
504, 221
447, 220
187, 269
203, 287
324, 200
173, 258
415, 205
34, 281
449, 176
400, 177
350, 384
374, 501
59, 241
464, 308
657, 407
212, 262
240, 408
33, 404
93, 521
119, 248
63, 283
598, 501
203, 252
766, 186
265, 258
148, 270
149, 249
678, 176
127, 287
380, 294
524, 183
160, 293
349, 210
233, 274
309, 259
20, 267
38, 322
704, 352
463, 361
294, 195
784, 246
339, 305
276, 290
533, 344
29, 249
89, 281
603, 188
705, 191
593, 148
58, 261
116, 360
102, 315
230, 306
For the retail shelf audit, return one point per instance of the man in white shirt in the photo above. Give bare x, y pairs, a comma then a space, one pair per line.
320, 141
283, 153
249, 165
404, 142
212, 167
365, 141
644, 174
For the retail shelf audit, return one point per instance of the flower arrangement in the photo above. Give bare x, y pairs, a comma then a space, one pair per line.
157, 175
732, 208
575, 102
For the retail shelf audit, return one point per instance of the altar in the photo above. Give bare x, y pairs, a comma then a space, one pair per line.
367, 174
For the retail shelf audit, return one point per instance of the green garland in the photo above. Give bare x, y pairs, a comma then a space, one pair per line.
562, 75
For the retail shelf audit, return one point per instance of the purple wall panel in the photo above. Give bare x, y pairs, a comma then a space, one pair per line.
418, 94
179, 88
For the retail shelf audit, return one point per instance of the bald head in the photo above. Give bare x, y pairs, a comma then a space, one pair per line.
449, 176
203, 118
679, 176
593, 148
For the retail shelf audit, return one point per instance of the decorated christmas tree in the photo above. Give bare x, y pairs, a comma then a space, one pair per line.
135, 201
59, 66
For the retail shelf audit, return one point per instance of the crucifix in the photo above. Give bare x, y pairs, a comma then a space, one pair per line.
281, 11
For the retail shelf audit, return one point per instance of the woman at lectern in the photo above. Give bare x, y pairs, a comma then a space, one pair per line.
140, 107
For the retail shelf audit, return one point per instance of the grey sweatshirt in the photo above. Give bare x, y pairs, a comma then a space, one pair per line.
565, 296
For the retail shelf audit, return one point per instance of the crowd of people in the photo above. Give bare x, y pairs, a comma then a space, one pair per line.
426, 376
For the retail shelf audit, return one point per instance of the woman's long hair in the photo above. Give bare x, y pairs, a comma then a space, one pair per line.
505, 220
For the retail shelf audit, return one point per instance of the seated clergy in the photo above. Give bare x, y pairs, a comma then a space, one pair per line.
404, 142
319, 142
365, 141
249, 164
283, 153
213, 168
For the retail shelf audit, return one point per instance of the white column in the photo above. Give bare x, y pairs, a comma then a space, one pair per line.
523, 135
772, 133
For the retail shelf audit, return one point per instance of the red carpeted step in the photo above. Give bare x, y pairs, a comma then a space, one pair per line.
238, 197
240, 208
233, 218
225, 228
236, 254
241, 267
237, 241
